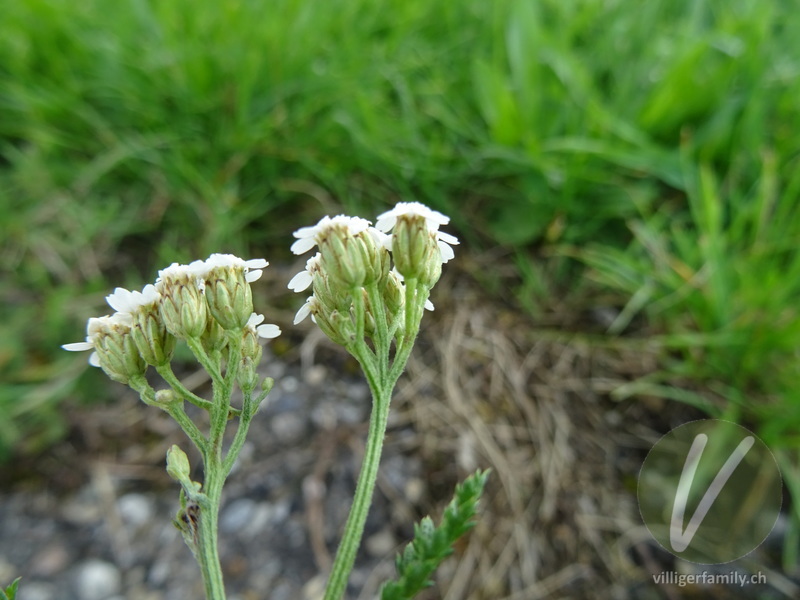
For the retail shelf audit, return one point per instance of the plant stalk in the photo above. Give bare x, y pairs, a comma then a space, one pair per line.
354, 528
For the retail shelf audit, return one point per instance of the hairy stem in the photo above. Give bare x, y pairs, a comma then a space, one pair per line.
354, 528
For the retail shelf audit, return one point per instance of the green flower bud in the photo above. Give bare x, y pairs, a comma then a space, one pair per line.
247, 378
415, 249
251, 356
116, 351
154, 342
251, 349
213, 338
151, 337
418, 247
183, 305
352, 252
329, 295
337, 326
166, 397
394, 296
228, 293
179, 469
178, 466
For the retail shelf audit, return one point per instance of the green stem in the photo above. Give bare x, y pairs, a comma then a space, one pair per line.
211, 366
216, 470
382, 338
207, 552
169, 376
241, 433
354, 528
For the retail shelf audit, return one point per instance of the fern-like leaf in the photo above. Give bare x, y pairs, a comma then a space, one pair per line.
11, 591
431, 544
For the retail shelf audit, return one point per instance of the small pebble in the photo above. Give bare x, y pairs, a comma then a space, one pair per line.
287, 426
97, 580
35, 590
381, 544
237, 515
289, 383
315, 375
136, 509
50, 560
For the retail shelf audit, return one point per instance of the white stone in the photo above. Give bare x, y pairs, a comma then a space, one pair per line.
97, 580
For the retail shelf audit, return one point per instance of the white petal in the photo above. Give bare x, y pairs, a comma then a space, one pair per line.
150, 294
197, 268
121, 300
303, 245
447, 238
222, 260
354, 225
386, 221
78, 346
256, 263
254, 320
304, 311
94, 359
309, 232
381, 239
300, 282
252, 276
428, 305
268, 331
446, 252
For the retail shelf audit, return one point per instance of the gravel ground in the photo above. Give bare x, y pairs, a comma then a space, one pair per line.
284, 503
484, 388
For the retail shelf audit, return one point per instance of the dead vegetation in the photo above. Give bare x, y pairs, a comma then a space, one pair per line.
487, 388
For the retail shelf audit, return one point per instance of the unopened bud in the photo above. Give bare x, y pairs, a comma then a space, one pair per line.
337, 326
116, 351
394, 295
178, 466
415, 250
351, 252
154, 342
183, 304
247, 378
213, 338
230, 300
166, 397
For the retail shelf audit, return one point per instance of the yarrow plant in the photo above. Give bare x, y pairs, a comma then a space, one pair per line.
369, 288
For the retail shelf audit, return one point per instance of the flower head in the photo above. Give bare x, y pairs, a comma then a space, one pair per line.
351, 252
415, 212
94, 327
308, 237
183, 302
266, 331
114, 349
433, 218
252, 268
303, 280
154, 342
310, 306
194, 271
228, 293
125, 301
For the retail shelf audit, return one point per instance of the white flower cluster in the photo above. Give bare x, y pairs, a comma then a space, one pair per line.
433, 220
177, 299
353, 254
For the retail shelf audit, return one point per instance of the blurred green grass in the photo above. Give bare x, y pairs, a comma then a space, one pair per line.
656, 142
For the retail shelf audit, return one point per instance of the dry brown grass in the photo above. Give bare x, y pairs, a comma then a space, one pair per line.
487, 388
